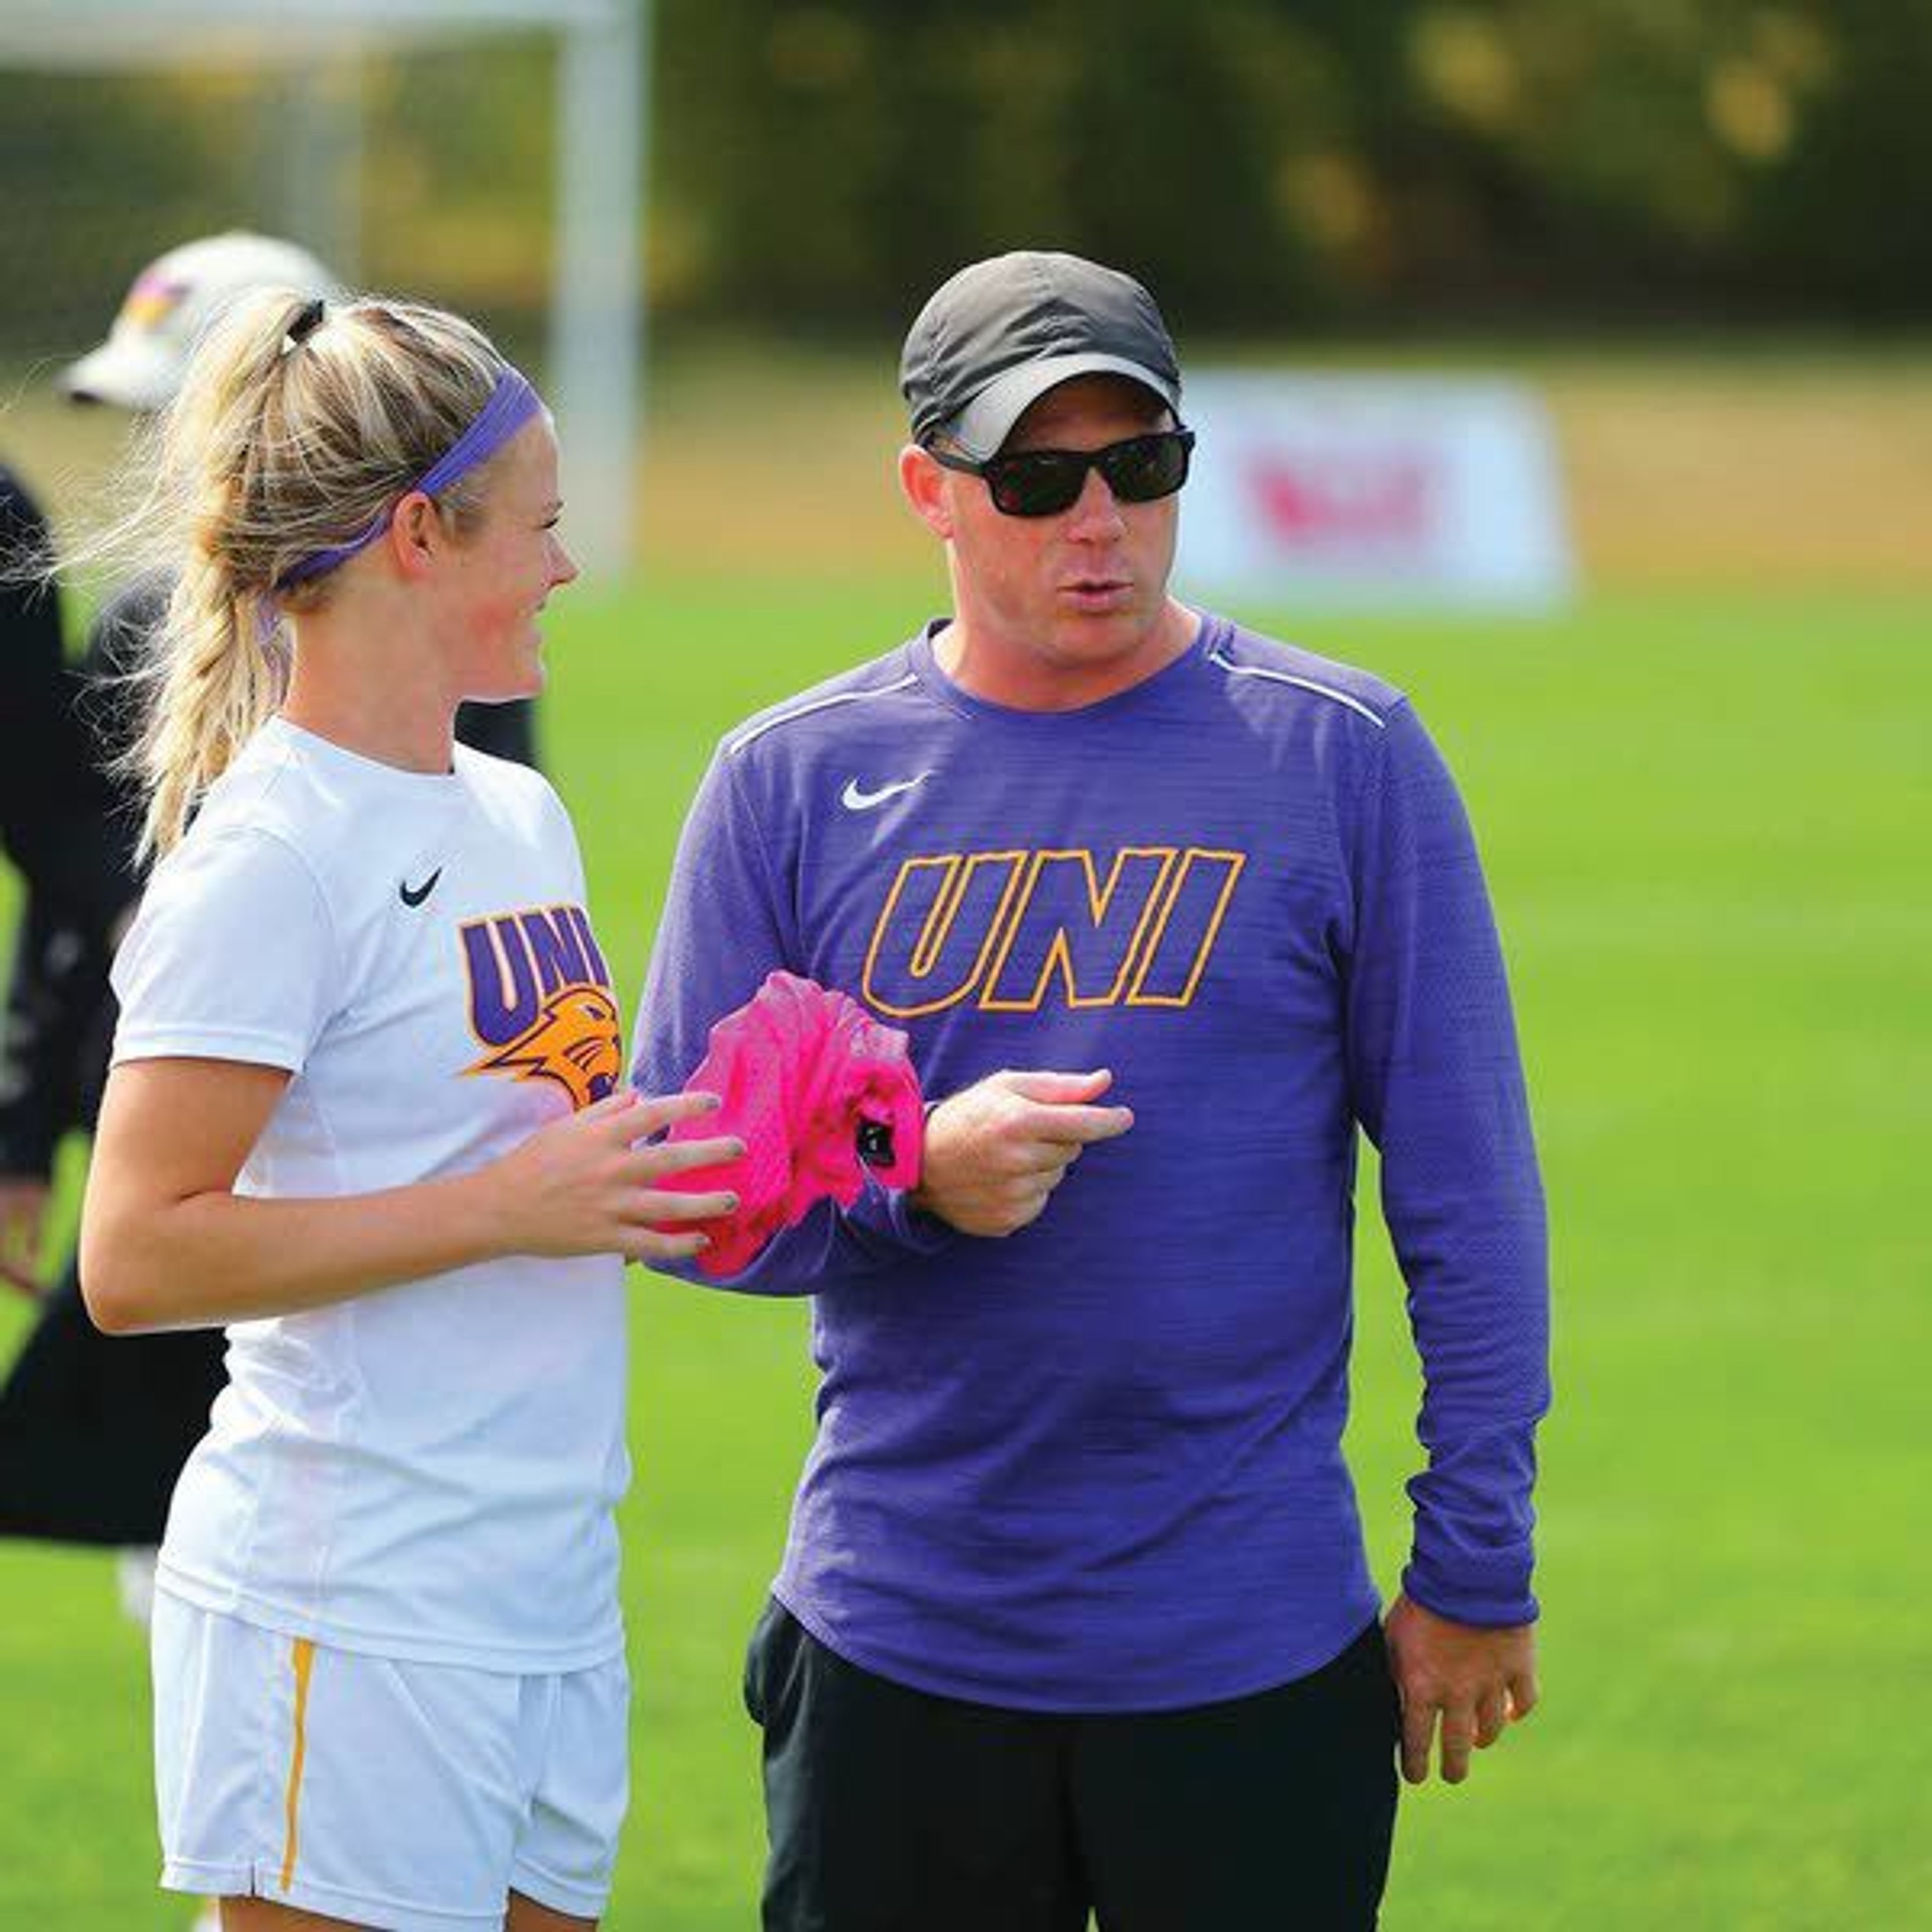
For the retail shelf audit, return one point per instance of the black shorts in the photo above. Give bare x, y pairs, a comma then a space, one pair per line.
889, 1810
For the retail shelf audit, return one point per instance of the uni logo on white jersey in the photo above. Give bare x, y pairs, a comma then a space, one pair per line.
540, 1001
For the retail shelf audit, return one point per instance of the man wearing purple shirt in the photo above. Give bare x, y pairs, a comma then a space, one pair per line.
1075, 1614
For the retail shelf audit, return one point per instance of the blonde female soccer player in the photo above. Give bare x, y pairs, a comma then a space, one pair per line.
366, 1113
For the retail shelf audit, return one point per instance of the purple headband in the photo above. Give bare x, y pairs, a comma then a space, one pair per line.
511, 404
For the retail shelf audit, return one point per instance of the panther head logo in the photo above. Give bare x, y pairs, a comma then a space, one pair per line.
575, 1040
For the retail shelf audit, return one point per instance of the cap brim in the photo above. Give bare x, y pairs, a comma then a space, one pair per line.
988, 420
130, 376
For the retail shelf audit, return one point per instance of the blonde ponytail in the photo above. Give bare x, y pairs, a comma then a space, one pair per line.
214, 674
212, 690
280, 445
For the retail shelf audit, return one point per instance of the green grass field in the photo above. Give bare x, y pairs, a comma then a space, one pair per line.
1706, 817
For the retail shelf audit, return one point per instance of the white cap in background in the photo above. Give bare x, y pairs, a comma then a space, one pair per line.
173, 299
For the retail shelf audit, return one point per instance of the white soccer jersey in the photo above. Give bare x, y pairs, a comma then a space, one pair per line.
426, 1471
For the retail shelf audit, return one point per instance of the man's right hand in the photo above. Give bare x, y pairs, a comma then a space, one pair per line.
995, 1151
23, 1214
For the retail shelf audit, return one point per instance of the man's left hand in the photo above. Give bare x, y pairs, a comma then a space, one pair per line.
1475, 1682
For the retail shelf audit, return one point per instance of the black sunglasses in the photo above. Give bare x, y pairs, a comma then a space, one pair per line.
1043, 482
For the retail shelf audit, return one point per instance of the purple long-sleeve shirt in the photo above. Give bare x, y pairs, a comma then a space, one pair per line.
1097, 1466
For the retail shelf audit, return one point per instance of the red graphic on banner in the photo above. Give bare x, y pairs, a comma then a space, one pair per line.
1309, 501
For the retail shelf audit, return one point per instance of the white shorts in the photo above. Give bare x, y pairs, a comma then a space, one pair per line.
410, 1797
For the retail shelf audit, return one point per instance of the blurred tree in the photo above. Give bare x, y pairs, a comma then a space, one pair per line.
1266, 164
1357, 160
105, 172
1839, 210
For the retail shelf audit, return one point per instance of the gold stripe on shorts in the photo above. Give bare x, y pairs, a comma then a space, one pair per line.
301, 1656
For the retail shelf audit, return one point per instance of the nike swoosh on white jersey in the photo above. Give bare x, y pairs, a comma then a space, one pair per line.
856, 798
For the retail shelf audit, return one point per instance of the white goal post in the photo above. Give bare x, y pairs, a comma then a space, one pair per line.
596, 343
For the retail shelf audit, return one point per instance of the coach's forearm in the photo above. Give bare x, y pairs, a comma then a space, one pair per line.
216, 1258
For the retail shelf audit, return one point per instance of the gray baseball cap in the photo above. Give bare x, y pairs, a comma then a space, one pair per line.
1001, 333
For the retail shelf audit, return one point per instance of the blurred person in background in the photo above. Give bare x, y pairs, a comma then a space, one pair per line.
52, 825
366, 1111
93, 1433
1075, 1613
46, 780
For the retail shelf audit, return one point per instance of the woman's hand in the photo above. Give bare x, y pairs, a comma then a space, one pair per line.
586, 1184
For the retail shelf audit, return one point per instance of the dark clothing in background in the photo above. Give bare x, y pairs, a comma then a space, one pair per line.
47, 781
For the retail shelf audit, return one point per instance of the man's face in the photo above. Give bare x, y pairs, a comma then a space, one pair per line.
1059, 611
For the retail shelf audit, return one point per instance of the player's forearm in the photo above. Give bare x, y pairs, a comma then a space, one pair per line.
1482, 1332
1473, 1551
218, 1258
1470, 1234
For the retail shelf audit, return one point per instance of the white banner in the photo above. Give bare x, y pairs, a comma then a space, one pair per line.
1372, 489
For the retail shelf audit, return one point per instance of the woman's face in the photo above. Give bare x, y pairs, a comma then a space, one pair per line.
507, 567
